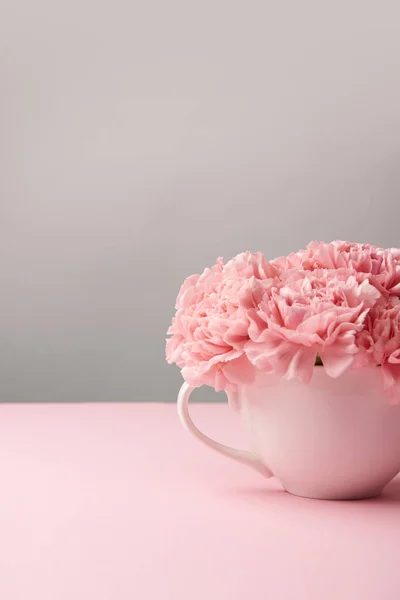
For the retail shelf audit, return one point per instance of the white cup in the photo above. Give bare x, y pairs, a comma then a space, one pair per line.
331, 439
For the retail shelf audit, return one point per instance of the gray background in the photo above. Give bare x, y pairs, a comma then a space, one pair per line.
140, 140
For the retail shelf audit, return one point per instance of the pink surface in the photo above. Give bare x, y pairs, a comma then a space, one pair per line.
118, 502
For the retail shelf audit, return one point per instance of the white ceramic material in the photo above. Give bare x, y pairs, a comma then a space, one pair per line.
332, 439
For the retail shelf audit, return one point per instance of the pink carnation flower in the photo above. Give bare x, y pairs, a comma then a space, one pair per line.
384, 265
306, 314
210, 329
339, 301
379, 342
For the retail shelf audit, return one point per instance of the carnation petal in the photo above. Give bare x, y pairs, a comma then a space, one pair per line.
239, 370
335, 362
301, 367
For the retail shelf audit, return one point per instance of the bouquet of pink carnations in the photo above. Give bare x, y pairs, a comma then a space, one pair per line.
336, 305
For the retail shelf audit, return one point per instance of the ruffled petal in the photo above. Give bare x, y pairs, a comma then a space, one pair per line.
335, 362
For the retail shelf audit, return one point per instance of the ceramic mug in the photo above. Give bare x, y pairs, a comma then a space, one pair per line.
336, 439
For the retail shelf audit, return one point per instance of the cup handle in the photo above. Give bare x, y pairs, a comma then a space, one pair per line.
241, 456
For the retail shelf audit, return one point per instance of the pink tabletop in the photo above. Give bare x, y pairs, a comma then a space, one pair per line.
117, 502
